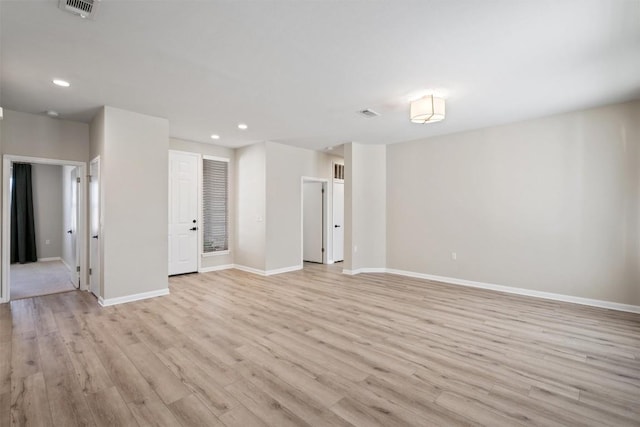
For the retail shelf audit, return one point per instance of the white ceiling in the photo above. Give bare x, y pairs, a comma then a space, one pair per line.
298, 71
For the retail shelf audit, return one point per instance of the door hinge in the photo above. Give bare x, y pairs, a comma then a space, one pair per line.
90, 271
78, 180
322, 249
78, 269
323, 191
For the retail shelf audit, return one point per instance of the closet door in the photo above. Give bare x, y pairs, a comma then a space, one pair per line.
183, 212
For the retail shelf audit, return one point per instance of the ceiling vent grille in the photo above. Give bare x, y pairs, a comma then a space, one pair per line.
82, 8
368, 113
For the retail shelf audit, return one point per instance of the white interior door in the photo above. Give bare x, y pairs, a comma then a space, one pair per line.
338, 221
312, 213
94, 227
73, 226
183, 212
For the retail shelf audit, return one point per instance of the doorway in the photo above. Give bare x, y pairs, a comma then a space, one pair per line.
314, 220
95, 227
43, 227
337, 228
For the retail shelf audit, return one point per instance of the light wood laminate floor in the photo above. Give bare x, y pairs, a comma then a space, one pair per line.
316, 347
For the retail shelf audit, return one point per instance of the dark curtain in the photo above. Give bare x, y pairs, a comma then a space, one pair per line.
23, 231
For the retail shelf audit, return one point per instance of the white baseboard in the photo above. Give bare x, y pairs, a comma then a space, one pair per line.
520, 291
130, 298
364, 270
53, 258
65, 264
215, 268
283, 270
249, 269
267, 272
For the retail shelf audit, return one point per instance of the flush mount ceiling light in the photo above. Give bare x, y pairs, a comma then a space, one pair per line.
428, 109
214, 136
61, 83
52, 113
242, 126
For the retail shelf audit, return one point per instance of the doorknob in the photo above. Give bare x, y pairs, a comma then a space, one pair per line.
336, 226
95, 237
193, 228
70, 231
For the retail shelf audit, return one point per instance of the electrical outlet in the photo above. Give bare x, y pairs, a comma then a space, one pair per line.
47, 242
355, 248
454, 256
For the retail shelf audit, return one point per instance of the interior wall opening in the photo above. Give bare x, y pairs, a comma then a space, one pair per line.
43, 226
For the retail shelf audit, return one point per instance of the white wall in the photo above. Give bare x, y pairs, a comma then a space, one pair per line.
24, 134
35, 135
250, 196
365, 207
213, 260
134, 177
549, 205
286, 166
46, 186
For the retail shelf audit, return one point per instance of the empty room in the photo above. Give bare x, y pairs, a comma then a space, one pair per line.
313, 213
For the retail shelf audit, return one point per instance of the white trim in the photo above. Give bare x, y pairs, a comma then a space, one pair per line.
8, 159
283, 270
215, 268
53, 258
65, 264
95, 161
249, 269
203, 157
325, 217
267, 272
364, 270
193, 153
501, 288
130, 298
198, 214
220, 159
215, 253
520, 291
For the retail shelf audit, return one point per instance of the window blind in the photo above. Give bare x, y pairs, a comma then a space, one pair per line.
215, 205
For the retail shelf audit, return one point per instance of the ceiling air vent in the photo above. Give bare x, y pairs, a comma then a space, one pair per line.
82, 8
368, 113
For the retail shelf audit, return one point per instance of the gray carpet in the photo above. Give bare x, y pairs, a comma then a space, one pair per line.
39, 278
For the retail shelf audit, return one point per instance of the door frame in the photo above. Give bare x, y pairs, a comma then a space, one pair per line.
77, 213
333, 217
325, 217
7, 161
97, 160
198, 198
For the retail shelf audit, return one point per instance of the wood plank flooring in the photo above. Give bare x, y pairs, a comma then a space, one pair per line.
316, 347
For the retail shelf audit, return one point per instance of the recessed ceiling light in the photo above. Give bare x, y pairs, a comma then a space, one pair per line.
61, 83
52, 113
242, 126
329, 148
214, 136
